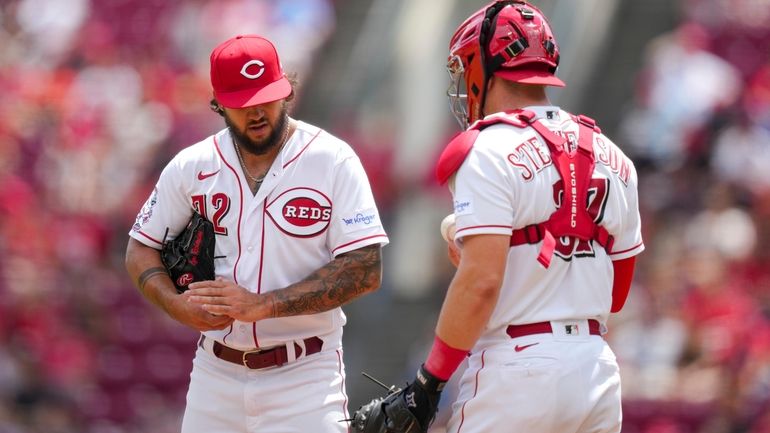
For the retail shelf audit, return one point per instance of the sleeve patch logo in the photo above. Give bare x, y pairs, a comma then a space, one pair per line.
361, 219
301, 212
146, 212
463, 206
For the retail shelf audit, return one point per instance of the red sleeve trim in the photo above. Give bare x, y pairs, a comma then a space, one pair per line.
627, 249
160, 243
484, 227
359, 240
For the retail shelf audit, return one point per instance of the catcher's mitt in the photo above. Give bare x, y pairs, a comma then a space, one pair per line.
408, 410
190, 256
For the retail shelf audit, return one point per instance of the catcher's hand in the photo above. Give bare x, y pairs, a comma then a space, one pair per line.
408, 410
190, 256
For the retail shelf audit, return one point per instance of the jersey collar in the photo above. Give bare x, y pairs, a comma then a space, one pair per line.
547, 112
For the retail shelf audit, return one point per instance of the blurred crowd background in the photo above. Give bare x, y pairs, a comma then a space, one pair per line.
97, 95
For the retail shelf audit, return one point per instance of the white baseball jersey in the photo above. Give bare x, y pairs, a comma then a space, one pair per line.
314, 204
508, 181
567, 380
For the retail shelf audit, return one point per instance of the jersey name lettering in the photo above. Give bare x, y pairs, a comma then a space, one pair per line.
530, 157
612, 158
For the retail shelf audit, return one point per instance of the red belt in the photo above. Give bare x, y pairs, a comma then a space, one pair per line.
514, 331
259, 358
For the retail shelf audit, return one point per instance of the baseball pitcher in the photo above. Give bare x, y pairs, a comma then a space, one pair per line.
298, 235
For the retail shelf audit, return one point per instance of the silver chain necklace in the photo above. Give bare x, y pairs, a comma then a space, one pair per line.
246, 170
260, 179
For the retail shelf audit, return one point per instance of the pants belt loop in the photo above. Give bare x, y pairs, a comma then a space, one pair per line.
207, 344
291, 353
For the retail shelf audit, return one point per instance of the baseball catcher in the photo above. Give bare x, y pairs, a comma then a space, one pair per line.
190, 256
408, 410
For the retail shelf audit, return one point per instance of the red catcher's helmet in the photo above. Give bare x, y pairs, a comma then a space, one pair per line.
508, 38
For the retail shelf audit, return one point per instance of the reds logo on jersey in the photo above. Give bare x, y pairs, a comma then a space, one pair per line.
301, 212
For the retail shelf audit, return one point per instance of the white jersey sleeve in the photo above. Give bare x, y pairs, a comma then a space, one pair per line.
483, 197
168, 209
355, 219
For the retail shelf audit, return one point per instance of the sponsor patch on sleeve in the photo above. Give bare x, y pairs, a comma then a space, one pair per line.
146, 212
463, 206
360, 220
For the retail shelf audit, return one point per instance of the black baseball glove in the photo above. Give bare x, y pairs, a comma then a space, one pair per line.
190, 256
408, 410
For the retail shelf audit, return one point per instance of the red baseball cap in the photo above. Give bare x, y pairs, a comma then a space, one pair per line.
246, 71
531, 74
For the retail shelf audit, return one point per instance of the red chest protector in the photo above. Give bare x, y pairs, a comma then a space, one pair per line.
571, 218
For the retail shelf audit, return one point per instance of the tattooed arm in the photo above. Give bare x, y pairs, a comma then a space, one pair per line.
345, 278
150, 277
340, 281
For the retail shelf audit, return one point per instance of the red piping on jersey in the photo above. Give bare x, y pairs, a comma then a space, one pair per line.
261, 266
475, 391
484, 226
342, 387
627, 249
149, 237
262, 247
303, 149
358, 240
240, 208
240, 215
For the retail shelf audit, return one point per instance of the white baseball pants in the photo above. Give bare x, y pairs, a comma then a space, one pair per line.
302, 396
553, 383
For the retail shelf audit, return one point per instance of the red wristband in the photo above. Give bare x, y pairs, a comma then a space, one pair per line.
444, 359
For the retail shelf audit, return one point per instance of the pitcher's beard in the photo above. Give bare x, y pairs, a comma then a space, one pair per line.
260, 147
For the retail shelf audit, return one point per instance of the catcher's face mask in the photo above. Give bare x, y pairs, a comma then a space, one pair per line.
458, 97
